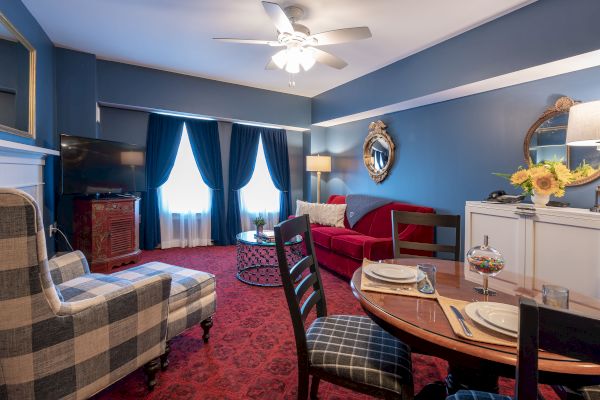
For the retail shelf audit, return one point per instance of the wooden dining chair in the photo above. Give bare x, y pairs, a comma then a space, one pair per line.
425, 219
554, 330
347, 350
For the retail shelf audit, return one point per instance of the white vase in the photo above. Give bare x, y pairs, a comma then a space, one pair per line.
540, 200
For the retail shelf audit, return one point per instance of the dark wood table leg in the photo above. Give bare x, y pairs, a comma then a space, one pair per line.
462, 377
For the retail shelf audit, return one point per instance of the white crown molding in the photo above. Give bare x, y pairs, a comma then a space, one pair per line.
564, 66
22, 149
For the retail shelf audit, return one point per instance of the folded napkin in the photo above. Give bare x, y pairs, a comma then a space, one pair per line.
480, 333
405, 289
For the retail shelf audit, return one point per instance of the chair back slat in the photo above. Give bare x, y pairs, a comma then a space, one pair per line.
558, 331
426, 246
569, 333
306, 283
308, 305
425, 219
308, 268
300, 267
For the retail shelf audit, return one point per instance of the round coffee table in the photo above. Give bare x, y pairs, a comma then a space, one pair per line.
257, 259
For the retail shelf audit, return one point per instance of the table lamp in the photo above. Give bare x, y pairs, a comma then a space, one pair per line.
583, 129
133, 159
318, 164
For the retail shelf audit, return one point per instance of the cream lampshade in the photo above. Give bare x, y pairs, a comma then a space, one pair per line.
318, 164
583, 128
132, 158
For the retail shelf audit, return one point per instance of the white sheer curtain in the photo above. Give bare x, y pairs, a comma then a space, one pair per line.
184, 202
259, 196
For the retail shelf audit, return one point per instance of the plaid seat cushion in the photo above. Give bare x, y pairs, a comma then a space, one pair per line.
474, 395
357, 349
591, 392
193, 295
90, 285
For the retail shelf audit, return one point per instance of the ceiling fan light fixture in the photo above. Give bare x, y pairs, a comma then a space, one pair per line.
307, 58
280, 58
293, 66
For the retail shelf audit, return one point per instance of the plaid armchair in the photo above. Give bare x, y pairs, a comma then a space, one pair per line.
51, 348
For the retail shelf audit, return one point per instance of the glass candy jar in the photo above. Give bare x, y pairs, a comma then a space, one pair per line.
486, 261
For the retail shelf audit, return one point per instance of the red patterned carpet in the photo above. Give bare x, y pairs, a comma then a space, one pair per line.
251, 353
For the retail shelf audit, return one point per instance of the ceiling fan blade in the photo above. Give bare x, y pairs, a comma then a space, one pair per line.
342, 35
271, 43
329, 59
271, 64
281, 21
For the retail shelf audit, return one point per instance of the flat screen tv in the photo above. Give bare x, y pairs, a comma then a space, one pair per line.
94, 166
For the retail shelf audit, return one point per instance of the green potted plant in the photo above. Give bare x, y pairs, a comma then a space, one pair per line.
260, 223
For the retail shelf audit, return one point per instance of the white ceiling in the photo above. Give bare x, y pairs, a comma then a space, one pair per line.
175, 35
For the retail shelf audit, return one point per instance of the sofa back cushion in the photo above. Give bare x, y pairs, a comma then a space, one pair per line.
378, 223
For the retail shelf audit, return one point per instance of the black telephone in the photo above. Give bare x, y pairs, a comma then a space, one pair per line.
500, 196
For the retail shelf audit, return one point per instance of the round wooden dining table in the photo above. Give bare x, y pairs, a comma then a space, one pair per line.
422, 324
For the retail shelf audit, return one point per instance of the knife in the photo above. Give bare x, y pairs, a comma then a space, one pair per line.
461, 319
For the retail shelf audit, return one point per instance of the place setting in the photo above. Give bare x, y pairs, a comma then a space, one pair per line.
482, 321
416, 281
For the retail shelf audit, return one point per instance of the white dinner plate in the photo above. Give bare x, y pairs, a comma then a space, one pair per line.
471, 311
376, 271
501, 315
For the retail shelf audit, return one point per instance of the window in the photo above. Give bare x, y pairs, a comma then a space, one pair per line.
184, 202
259, 196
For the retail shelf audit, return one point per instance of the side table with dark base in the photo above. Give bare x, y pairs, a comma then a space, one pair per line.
257, 259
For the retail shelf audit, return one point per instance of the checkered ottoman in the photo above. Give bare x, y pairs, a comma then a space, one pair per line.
193, 298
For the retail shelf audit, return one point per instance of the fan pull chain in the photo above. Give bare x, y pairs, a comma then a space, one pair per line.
292, 81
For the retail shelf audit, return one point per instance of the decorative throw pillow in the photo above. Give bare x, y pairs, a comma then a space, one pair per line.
322, 214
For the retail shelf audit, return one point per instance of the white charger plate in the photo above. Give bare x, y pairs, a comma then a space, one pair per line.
501, 315
471, 310
393, 272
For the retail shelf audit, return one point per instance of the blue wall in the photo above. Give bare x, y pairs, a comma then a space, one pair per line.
20, 17
544, 31
446, 152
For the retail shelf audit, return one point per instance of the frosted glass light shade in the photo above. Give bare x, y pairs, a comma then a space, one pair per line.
583, 128
318, 163
133, 158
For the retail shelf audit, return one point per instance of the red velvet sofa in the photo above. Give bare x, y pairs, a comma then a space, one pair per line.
342, 250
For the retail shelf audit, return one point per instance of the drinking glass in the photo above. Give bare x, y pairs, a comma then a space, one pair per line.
427, 284
555, 296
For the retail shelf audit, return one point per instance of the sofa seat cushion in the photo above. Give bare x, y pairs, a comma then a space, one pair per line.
322, 235
187, 285
350, 245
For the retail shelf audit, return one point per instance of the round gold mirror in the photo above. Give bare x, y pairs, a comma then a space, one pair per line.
546, 140
378, 152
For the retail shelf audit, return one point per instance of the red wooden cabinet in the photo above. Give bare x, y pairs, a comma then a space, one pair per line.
107, 231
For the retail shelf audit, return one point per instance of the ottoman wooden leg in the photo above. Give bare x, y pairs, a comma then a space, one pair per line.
164, 359
206, 325
151, 368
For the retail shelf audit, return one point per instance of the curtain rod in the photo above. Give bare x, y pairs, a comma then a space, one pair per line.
197, 116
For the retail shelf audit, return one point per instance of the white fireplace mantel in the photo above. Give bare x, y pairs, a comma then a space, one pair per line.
21, 167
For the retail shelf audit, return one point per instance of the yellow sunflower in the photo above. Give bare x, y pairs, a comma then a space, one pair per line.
538, 170
519, 177
545, 183
563, 174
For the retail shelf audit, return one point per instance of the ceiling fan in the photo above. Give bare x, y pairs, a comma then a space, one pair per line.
300, 46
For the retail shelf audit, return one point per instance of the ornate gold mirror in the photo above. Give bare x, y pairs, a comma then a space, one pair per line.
546, 141
17, 82
378, 152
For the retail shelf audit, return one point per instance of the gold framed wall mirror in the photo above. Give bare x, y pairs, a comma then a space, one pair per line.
378, 152
17, 81
546, 140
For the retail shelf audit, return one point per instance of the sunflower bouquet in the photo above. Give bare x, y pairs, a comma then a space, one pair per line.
545, 178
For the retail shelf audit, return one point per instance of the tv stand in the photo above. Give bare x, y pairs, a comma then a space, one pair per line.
106, 229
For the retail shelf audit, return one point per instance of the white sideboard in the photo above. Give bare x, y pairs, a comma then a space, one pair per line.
544, 245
